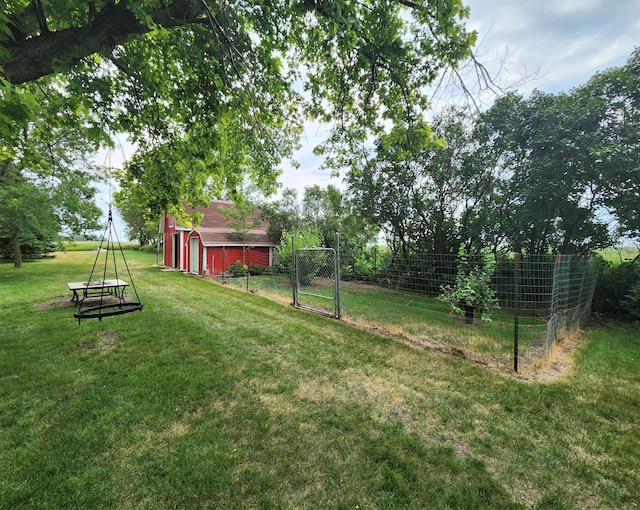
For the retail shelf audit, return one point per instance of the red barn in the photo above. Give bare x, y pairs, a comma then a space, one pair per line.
212, 247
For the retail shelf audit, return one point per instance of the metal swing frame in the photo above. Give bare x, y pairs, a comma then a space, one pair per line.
111, 309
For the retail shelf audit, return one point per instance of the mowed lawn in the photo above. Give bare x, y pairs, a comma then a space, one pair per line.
216, 398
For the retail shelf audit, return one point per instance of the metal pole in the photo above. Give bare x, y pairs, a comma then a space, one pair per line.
375, 263
294, 271
248, 266
516, 326
338, 300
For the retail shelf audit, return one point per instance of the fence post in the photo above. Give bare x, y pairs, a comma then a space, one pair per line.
338, 303
516, 325
559, 300
294, 271
224, 252
374, 275
248, 266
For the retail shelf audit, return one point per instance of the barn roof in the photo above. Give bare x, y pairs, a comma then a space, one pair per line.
227, 237
214, 231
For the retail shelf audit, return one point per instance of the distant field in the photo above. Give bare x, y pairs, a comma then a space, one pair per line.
617, 255
93, 245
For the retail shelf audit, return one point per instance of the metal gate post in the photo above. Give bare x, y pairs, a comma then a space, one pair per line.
294, 271
516, 312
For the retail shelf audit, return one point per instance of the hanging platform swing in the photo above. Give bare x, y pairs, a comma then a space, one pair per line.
111, 289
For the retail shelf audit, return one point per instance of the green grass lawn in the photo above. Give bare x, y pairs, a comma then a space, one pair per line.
215, 398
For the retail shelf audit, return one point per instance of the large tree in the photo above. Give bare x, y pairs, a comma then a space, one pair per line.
568, 164
214, 91
616, 95
45, 176
388, 189
425, 189
282, 215
537, 174
324, 208
554, 183
137, 226
324, 212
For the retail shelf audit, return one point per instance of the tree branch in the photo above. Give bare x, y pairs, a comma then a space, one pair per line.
44, 54
42, 19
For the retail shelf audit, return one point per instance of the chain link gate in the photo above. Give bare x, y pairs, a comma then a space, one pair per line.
316, 280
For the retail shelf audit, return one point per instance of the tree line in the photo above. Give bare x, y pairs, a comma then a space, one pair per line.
539, 174
211, 96
544, 173
536, 174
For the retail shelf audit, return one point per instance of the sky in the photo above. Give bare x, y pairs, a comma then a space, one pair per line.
566, 41
558, 44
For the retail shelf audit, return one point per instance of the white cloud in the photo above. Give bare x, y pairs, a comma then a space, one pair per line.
309, 171
568, 41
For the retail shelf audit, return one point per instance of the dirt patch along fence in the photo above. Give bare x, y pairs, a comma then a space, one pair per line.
542, 300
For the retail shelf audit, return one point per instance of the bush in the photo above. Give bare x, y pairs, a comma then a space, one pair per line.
471, 291
363, 264
306, 237
238, 269
616, 294
308, 263
631, 302
257, 269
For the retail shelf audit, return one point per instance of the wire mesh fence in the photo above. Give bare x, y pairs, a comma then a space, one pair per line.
540, 299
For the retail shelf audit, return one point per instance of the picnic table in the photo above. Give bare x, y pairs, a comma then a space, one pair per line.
97, 288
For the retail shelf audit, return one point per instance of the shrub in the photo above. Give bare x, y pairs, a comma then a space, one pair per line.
471, 291
614, 292
238, 269
363, 265
306, 237
631, 302
308, 266
257, 269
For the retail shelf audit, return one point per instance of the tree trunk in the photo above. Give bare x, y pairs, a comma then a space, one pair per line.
468, 314
17, 254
